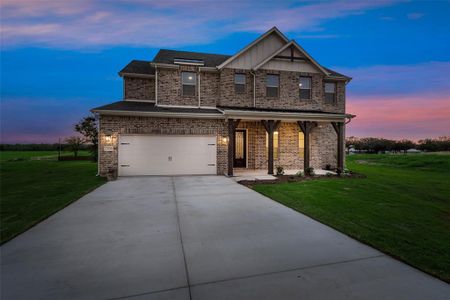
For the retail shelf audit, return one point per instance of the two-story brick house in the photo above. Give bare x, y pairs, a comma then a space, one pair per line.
270, 104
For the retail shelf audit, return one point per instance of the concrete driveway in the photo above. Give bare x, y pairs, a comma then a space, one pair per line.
197, 237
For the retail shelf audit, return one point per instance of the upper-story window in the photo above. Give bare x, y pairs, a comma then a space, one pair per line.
330, 92
239, 83
272, 85
189, 82
305, 87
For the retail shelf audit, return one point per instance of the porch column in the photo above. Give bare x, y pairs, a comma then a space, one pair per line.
339, 128
232, 124
306, 127
270, 127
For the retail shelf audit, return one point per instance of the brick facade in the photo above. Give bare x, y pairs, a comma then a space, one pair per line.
323, 146
228, 96
217, 89
116, 125
139, 88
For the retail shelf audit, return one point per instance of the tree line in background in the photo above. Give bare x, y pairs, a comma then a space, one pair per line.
380, 145
86, 140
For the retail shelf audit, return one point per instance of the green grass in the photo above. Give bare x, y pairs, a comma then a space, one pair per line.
401, 208
36, 155
31, 189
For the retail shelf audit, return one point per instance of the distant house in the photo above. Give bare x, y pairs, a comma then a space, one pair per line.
184, 112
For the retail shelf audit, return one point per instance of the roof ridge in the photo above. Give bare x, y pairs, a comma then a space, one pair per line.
208, 53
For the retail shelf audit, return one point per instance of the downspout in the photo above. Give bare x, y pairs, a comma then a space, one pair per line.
97, 117
123, 87
156, 85
199, 98
254, 88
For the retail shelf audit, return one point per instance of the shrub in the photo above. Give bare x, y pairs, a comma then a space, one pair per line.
309, 171
328, 167
280, 170
300, 174
328, 174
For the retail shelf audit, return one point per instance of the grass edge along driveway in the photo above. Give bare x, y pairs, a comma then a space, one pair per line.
32, 190
402, 209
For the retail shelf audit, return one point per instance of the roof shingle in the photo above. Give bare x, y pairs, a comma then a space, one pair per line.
135, 106
138, 67
211, 60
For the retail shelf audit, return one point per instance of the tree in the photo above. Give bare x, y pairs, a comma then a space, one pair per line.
88, 128
404, 145
74, 143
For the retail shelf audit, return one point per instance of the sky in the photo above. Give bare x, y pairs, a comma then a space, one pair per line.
61, 58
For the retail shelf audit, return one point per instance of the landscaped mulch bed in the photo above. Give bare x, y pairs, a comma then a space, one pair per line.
295, 178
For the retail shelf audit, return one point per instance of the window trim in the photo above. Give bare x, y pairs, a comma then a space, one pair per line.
310, 88
244, 84
278, 87
183, 84
334, 94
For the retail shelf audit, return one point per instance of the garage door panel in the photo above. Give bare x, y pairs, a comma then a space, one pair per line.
166, 155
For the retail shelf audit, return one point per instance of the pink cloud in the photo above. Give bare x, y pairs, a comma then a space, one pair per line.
413, 117
78, 24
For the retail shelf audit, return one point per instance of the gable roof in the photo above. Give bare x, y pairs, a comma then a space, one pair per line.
336, 74
165, 56
292, 44
272, 30
138, 67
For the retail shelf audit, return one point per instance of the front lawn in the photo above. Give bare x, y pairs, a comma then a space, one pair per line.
33, 186
401, 208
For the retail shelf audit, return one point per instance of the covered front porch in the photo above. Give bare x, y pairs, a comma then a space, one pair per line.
258, 146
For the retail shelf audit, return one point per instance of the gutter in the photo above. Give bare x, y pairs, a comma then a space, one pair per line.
136, 75
285, 116
159, 114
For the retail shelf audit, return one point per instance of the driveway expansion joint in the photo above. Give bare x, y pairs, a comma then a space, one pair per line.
148, 293
181, 236
289, 270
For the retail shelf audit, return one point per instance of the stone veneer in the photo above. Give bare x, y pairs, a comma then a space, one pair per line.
139, 88
116, 125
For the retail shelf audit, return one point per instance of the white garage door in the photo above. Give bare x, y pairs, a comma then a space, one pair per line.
166, 155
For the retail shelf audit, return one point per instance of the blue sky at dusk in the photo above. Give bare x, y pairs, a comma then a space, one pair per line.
61, 58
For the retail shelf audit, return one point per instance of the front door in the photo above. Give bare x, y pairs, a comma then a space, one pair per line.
240, 149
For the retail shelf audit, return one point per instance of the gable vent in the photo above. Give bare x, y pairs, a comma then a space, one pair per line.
192, 62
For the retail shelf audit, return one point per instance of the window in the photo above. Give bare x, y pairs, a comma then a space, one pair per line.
189, 82
301, 144
272, 85
330, 92
305, 87
275, 144
239, 83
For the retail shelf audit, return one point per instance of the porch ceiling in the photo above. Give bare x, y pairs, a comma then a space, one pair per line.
284, 115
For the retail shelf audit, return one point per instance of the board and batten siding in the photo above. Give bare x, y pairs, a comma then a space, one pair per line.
291, 66
257, 53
